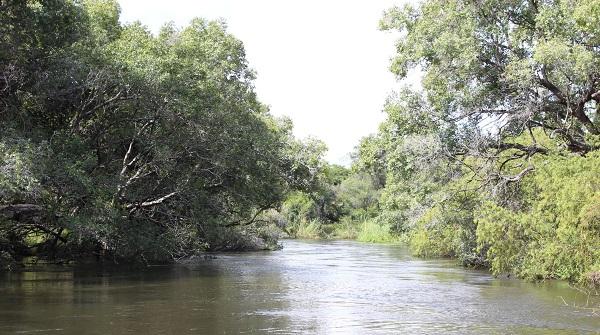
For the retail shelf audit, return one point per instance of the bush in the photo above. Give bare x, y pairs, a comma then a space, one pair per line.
346, 230
448, 229
375, 233
556, 235
395, 219
434, 237
308, 229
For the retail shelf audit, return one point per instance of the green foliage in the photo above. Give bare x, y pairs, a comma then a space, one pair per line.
374, 233
557, 234
358, 195
336, 201
495, 162
448, 228
346, 229
120, 143
298, 207
481, 59
18, 176
308, 229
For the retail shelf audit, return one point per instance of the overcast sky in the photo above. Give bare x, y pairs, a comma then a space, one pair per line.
323, 63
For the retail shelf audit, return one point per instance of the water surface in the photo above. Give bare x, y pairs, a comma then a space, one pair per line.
336, 287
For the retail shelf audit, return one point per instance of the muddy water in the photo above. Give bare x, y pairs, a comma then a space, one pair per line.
307, 288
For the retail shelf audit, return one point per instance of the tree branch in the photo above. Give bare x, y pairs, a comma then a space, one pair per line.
252, 220
153, 202
529, 150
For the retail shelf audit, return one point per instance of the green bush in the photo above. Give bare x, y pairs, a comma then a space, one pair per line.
308, 229
557, 234
297, 207
397, 220
448, 229
346, 229
434, 237
372, 232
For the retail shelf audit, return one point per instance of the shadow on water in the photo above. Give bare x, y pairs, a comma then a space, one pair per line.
314, 287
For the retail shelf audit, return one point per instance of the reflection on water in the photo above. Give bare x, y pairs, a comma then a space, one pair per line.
306, 288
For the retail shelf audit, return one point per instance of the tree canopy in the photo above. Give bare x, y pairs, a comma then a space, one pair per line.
118, 142
508, 66
494, 160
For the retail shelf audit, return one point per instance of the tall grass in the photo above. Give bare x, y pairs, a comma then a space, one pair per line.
375, 233
346, 230
363, 231
308, 229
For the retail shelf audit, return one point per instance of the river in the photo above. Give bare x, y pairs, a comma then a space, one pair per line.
323, 287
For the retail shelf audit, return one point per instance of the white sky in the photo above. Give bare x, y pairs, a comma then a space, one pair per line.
323, 63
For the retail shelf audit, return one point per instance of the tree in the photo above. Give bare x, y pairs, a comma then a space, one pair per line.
487, 164
119, 143
509, 67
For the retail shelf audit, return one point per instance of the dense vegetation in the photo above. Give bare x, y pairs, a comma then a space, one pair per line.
117, 143
496, 160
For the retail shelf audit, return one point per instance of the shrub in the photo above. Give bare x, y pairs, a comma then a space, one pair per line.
346, 230
308, 229
556, 235
374, 233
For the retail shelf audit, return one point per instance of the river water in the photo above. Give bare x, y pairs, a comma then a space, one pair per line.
334, 287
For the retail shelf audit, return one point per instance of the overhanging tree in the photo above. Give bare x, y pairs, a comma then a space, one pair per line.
509, 67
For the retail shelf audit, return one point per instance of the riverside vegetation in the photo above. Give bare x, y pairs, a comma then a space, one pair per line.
117, 143
495, 160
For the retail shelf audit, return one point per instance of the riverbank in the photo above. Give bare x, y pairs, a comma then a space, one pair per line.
370, 231
362, 231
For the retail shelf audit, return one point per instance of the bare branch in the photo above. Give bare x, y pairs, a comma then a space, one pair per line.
153, 202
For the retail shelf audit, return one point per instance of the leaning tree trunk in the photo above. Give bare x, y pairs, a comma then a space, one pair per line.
23, 213
31, 217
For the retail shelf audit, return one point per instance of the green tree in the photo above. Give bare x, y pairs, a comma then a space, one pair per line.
507, 66
120, 143
507, 121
